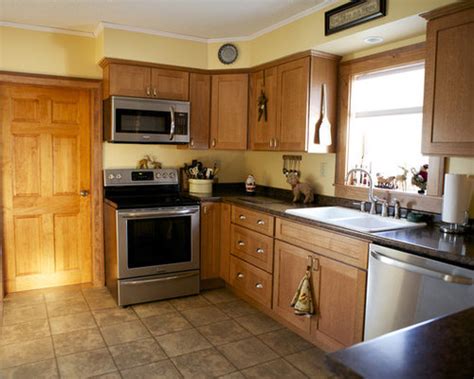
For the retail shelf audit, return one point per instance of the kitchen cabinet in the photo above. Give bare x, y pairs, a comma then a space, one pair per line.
448, 119
200, 98
144, 81
258, 221
210, 241
225, 226
229, 111
294, 91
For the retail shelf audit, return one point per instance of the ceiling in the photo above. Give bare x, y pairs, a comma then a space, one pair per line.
202, 19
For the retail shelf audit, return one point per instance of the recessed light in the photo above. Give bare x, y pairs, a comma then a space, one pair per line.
373, 40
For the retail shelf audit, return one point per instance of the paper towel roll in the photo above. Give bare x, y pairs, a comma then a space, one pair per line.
456, 198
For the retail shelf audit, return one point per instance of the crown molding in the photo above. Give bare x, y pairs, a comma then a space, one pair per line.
47, 29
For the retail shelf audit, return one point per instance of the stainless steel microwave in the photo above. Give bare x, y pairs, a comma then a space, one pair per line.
136, 120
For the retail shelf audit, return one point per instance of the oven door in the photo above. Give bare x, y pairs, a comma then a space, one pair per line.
157, 240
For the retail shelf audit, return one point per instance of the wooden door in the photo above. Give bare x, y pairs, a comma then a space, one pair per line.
127, 80
341, 300
210, 240
262, 133
46, 155
293, 98
200, 98
448, 117
290, 266
170, 84
229, 108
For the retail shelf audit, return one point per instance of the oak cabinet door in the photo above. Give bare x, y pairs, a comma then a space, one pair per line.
229, 111
293, 103
225, 225
129, 80
262, 133
290, 266
200, 98
210, 241
170, 84
448, 117
340, 303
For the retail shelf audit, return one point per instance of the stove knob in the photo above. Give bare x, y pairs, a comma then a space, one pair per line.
165, 175
118, 176
172, 175
111, 176
158, 175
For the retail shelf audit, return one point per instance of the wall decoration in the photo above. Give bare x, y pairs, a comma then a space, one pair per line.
354, 13
228, 53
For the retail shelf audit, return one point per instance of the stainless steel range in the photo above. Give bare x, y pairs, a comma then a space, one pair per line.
151, 236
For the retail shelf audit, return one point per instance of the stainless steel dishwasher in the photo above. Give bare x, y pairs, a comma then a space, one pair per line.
404, 289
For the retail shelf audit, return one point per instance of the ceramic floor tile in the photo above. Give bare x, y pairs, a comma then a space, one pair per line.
25, 331
248, 352
204, 315
111, 316
70, 293
39, 370
311, 362
258, 323
137, 353
189, 302
274, 369
203, 364
153, 309
78, 341
86, 364
67, 307
70, 323
24, 313
124, 332
285, 342
179, 343
233, 375
26, 352
237, 308
24, 298
223, 332
221, 295
158, 370
101, 301
109, 375
166, 323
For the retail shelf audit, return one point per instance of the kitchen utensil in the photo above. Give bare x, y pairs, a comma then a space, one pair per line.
323, 126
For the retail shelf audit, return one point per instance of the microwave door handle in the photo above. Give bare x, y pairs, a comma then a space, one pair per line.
172, 123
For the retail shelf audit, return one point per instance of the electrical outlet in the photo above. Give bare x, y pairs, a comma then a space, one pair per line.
322, 169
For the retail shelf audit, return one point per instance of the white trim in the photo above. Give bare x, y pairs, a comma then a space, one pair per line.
103, 25
48, 29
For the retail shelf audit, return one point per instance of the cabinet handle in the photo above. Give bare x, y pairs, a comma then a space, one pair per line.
275, 143
204, 210
191, 142
213, 142
260, 251
148, 91
241, 243
240, 275
271, 142
154, 92
259, 286
242, 217
260, 222
315, 264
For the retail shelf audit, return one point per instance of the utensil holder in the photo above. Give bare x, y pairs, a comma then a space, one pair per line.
200, 185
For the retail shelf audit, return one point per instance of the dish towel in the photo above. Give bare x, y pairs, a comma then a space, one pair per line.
303, 300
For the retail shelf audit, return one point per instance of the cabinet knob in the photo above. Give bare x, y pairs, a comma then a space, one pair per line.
213, 143
240, 275
259, 286
260, 222
242, 217
154, 92
84, 193
241, 243
260, 250
148, 91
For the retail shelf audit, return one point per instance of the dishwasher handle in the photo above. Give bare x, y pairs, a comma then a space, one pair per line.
449, 278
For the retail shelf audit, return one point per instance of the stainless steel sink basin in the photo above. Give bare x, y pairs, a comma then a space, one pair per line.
353, 219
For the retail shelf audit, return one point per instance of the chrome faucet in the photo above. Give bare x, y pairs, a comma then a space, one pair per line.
372, 198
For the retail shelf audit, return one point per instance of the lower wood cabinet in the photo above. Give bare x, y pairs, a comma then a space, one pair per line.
210, 241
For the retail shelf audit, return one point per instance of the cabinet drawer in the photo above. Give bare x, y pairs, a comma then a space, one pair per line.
333, 245
254, 282
252, 247
258, 221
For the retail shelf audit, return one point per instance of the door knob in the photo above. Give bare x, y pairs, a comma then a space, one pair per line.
84, 193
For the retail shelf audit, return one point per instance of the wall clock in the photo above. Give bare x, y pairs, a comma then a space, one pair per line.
228, 53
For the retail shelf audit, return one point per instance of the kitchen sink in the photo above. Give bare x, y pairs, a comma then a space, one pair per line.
353, 219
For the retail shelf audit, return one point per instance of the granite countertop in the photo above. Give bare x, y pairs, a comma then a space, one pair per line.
427, 241
439, 348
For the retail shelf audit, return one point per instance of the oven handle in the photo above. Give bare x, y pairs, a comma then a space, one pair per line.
131, 215
172, 123
160, 279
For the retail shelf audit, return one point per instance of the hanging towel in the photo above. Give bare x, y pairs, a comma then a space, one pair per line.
303, 300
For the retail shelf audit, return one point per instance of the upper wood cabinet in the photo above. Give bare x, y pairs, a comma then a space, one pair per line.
200, 98
448, 117
229, 108
293, 90
143, 81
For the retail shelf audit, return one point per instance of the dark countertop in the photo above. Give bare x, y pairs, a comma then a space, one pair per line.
439, 348
427, 241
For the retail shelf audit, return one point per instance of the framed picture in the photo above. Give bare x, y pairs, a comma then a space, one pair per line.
354, 13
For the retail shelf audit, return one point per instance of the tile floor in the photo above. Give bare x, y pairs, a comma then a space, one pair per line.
79, 332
